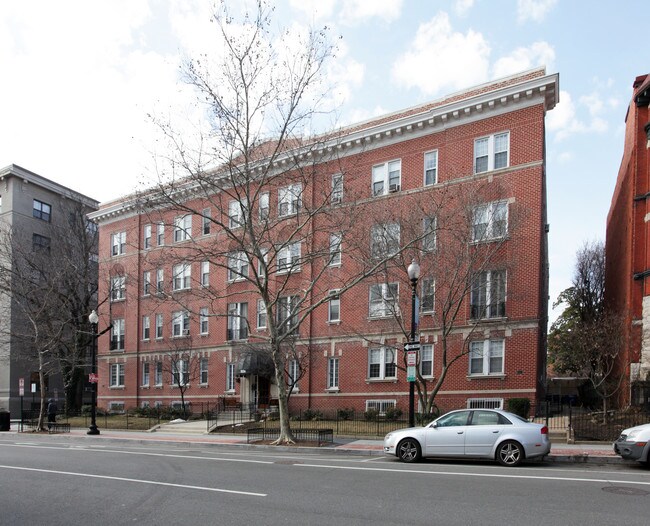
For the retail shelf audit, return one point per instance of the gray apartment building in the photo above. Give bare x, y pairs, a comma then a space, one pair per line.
35, 210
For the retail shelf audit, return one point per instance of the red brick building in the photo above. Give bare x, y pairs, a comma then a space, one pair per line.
404, 183
627, 269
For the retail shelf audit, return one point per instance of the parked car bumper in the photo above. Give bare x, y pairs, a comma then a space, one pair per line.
538, 449
630, 450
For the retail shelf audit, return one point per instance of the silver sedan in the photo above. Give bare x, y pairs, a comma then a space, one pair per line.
472, 433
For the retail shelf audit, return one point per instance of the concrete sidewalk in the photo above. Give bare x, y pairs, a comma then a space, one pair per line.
599, 453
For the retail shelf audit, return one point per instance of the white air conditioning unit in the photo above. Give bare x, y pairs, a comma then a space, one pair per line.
394, 188
186, 332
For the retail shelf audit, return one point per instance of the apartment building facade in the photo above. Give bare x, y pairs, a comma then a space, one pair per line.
474, 160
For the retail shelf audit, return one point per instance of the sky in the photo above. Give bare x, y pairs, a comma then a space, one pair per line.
80, 77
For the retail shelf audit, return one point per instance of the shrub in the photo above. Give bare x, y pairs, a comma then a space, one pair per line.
393, 414
345, 414
519, 406
371, 415
312, 414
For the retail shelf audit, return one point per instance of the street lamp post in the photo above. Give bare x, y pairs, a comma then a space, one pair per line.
93, 319
413, 271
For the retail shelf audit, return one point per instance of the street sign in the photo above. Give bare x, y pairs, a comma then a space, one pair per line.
411, 358
93, 378
21, 386
410, 373
412, 346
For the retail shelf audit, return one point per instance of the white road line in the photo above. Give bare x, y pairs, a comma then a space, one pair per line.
486, 475
140, 481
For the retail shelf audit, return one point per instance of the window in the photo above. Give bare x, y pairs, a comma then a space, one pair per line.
429, 227
381, 363
289, 200
426, 360
117, 335
488, 295
203, 371
146, 328
206, 221
118, 244
380, 406
491, 153
117, 375
454, 419
237, 321
42, 210
427, 303
180, 372
182, 274
384, 240
180, 323
334, 307
333, 373
145, 374
335, 249
294, 374
230, 377
383, 299
261, 314
430, 168
264, 206
182, 228
147, 237
337, 189
237, 266
289, 258
205, 273
40, 243
485, 403
118, 288
486, 357
203, 320
116, 407
160, 281
287, 314
158, 374
386, 177
490, 221
235, 214
160, 232
159, 326
146, 282
262, 264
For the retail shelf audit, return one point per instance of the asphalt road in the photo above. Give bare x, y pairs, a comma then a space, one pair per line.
74, 482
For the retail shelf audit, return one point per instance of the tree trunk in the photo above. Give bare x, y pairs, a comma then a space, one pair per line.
286, 437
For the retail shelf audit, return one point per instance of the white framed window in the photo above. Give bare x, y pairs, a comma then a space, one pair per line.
180, 372
264, 207
287, 312
206, 221
384, 240
118, 288
387, 177
146, 328
158, 374
381, 363
145, 374
490, 221
116, 407
430, 168
332, 373
147, 237
182, 276
237, 266
261, 314
203, 371
289, 200
427, 303
237, 321
118, 244
262, 263
235, 214
146, 282
380, 405
294, 374
486, 357
183, 228
334, 307
485, 403
117, 375
383, 300
335, 250
159, 326
203, 320
289, 258
429, 228
205, 273
230, 377
426, 360
41, 210
492, 152
117, 335
337, 189
180, 323
160, 234
488, 295
160, 281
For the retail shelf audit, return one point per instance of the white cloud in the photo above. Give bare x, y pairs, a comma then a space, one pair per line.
356, 11
523, 58
440, 59
462, 7
359, 115
565, 157
314, 8
564, 120
535, 10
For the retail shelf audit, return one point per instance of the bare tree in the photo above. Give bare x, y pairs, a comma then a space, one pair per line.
182, 364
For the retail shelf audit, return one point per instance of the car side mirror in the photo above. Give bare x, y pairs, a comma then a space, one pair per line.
434, 425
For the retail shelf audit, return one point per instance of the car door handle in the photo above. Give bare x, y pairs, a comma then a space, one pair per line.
460, 432
495, 431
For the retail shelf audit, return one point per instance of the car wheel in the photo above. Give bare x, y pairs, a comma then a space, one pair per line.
510, 453
408, 450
